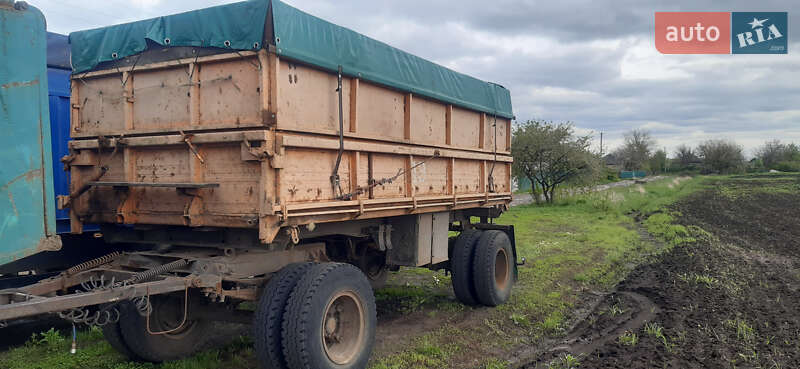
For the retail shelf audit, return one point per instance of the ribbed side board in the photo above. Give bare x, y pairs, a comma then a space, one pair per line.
257, 135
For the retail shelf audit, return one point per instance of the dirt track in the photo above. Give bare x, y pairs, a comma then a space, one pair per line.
729, 300
527, 198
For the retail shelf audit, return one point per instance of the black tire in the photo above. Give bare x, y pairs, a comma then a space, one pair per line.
461, 266
268, 322
167, 312
493, 268
327, 295
113, 335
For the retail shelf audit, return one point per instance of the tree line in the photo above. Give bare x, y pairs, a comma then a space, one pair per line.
719, 156
550, 154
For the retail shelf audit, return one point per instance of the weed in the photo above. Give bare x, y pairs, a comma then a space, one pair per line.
653, 330
615, 310
553, 323
744, 332
52, 340
520, 320
565, 361
629, 338
495, 363
700, 279
656, 330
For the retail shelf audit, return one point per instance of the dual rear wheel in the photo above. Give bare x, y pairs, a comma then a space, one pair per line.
316, 316
482, 267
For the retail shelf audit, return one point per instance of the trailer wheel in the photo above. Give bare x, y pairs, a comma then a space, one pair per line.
113, 335
461, 266
330, 319
167, 314
493, 268
268, 321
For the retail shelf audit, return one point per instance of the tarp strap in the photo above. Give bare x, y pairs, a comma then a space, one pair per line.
335, 181
494, 162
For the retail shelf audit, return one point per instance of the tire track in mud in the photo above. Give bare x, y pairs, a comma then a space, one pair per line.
589, 333
582, 339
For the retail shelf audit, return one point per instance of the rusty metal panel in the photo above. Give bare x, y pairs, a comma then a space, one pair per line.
302, 87
210, 92
429, 122
466, 128
27, 216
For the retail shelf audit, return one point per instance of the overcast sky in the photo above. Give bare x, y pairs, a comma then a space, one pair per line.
590, 62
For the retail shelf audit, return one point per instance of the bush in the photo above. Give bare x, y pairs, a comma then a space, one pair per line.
787, 166
721, 156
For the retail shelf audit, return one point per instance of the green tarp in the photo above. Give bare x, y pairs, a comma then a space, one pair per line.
239, 26
296, 35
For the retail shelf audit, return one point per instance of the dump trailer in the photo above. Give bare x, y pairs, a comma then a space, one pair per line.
253, 152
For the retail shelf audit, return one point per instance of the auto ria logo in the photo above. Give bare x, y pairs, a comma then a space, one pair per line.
721, 32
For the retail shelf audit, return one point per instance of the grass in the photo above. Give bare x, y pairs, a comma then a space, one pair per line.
744, 332
565, 361
629, 339
50, 350
585, 242
656, 331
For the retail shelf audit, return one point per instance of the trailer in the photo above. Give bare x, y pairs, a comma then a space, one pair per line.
253, 152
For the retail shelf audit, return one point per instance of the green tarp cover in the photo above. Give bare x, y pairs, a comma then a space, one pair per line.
239, 26
299, 36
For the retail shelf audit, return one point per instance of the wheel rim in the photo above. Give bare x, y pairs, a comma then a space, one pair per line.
501, 274
343, 327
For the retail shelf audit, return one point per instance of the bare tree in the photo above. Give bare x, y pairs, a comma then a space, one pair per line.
685, 156
721, 156
636, 150
774, 152
549, 154
771, 153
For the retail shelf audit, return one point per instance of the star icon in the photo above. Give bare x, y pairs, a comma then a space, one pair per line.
757, 23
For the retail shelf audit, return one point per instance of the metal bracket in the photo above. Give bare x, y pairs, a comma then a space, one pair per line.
188, 140
194, 207
260, 153
294, 233
384, 237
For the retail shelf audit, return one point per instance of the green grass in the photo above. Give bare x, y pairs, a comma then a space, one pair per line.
429, 351
51, 350
565, 361
629, 339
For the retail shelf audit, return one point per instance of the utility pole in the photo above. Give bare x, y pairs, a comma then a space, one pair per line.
601, 144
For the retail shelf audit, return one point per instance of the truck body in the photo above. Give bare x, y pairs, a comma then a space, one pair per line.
253, 152
254, 134
27, 200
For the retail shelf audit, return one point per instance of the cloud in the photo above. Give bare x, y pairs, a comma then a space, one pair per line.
589, 62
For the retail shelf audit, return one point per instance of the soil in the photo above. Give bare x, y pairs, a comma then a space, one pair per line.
728, 300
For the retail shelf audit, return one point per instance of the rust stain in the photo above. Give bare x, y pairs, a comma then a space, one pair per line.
13, 204
27, 176
20, 84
